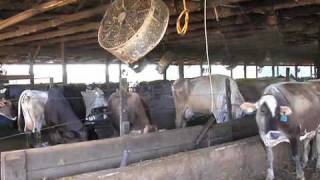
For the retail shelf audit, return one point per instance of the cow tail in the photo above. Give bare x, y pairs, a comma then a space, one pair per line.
19, 111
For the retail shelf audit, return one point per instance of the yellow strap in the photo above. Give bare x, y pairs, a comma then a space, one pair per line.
185, 13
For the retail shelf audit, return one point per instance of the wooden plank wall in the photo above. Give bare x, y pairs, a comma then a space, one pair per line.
70, 159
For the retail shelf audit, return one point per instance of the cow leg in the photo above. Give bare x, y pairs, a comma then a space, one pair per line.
28, 139
270, 173
306, 151
296, 153
38, 138
317, 144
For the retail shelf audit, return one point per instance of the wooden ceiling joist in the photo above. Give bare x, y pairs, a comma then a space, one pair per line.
52, 34
34, 11
55, 22
77, 37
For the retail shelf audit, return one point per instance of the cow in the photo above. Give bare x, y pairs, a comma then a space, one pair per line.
192, 98
58, 112
288, 112
7, 119
31, 103
138, 117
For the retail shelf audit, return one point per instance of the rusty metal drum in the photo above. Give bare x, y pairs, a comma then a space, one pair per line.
130, 29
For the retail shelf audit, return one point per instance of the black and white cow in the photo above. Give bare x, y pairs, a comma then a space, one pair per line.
288, 112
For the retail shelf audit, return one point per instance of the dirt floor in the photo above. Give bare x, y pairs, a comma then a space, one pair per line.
288, 173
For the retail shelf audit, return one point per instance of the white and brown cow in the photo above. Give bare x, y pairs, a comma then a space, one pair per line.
288, 112
138, 116
192, 97
31, 103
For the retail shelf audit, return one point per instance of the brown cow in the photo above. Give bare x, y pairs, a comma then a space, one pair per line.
288, 112
138, 117
192, 97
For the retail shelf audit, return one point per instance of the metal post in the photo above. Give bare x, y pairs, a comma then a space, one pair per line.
64, 64
107, 71
181, 69
296, 71
273, 71
31, 63
257, 72
278, 71
51, 82
245, 71
311, 71
287, 73
231, 73
165, 75
201, 68
123, 88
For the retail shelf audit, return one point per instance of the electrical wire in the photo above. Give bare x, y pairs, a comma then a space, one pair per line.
207, 51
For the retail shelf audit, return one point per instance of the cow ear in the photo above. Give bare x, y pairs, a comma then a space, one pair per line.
248, 107
286, 110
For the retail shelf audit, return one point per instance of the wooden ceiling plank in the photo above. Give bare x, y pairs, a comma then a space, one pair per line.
34, 11
55, 22
52, 34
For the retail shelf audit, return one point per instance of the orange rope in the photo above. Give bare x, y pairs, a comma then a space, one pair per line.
185, 13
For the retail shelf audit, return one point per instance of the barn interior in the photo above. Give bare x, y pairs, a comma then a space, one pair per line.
239, 32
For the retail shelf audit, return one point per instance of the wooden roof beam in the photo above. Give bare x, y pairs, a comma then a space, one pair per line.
52, 34
55, 22
34, 11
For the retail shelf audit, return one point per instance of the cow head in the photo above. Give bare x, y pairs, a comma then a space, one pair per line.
93, 99
6, 109
268, 115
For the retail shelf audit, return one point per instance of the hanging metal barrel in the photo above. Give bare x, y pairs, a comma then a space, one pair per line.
130, 29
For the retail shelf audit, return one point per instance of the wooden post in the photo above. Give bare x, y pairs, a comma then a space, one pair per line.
181, 69
287, 73
51, 82
311, 71
245, 71
296, 69
278, 71
257, 72
107, 71
165, 75
273, 71
201, 68
64, 64
31, 62
231, 73
123, 88
317, 71
228, 99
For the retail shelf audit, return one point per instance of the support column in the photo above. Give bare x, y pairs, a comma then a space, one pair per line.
273, 71
201, 68
231, 73
123, 89
257, 72
311, 71
64, 64
287, 73
165, 75
107, 71
296, 69
278, 71
245, 71
31, 73
181, 69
